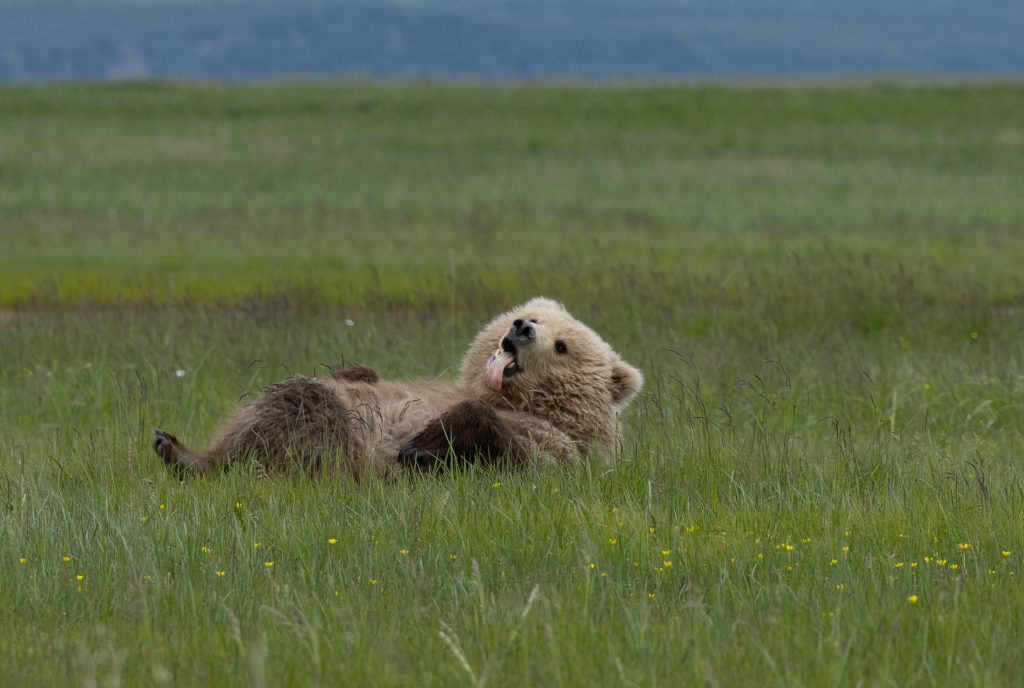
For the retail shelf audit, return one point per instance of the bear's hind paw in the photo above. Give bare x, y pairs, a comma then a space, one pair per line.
163, 445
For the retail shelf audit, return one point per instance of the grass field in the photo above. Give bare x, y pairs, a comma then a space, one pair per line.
820, 485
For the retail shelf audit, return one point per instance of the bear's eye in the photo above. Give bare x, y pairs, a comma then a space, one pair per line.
560, 347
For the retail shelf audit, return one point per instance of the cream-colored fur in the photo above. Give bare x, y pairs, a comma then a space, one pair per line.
579, 393
558, 407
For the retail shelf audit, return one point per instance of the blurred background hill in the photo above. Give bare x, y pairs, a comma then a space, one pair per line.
503, 39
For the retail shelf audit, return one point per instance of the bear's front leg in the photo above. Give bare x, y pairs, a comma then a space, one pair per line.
468, 431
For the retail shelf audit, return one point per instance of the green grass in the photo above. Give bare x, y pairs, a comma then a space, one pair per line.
821, 284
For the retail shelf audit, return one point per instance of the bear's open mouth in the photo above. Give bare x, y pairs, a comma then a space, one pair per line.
502, 364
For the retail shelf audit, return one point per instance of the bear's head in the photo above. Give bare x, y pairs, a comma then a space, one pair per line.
538, 359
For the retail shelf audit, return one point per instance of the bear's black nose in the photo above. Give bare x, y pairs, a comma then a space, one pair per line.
523, 330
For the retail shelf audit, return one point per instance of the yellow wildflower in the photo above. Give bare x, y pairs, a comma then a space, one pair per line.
665, 552
667, 564
953, 567
651, 595
613, 541
591, 566
913, 599
965, 545
403, 552
898, 564
332, 541
833, 561
23, 560
269, 564
220, 574
1005, 552
79, 577
760, 555
66, 558
163, 507
846, 548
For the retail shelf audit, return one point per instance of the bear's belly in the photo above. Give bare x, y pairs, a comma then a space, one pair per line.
386, 415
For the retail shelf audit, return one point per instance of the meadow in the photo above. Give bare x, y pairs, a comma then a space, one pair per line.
821, 483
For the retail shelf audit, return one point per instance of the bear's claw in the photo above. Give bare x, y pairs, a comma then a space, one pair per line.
412, 455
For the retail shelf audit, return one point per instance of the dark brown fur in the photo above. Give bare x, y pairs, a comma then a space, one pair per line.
466, 432
298, 421
356, 373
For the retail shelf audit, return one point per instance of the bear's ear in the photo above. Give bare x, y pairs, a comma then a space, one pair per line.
541, 302
625, 384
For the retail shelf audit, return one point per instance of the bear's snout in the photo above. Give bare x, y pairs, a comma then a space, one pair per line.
522, 331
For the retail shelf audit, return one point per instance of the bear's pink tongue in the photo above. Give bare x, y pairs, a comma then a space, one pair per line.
496, 368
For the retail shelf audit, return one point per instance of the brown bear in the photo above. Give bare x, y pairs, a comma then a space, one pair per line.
535, 384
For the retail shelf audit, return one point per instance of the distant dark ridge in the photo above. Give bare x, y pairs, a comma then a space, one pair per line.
497, 41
